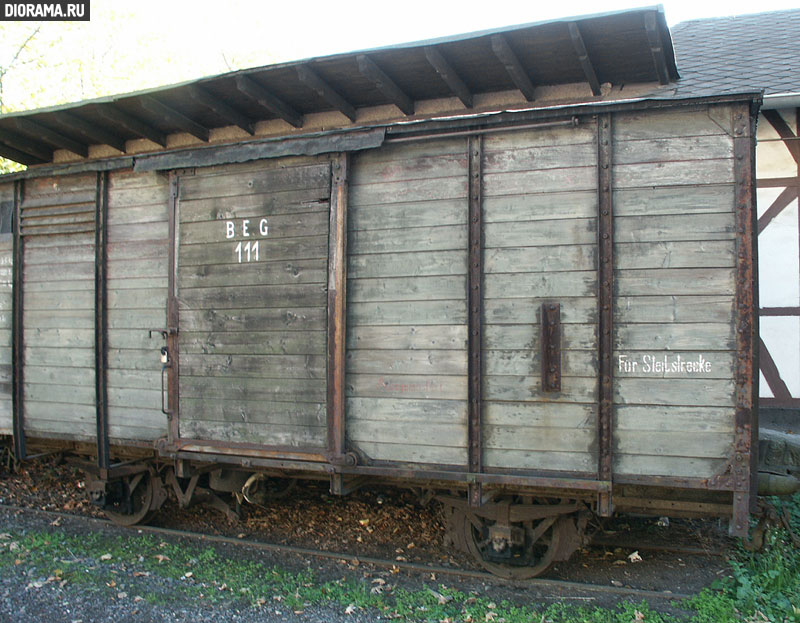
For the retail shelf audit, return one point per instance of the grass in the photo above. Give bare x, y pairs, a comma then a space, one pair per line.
764, 586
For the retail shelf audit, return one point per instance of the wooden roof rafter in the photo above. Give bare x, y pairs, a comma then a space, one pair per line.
16, 155
449, 75
49, 136
313, 81
656, 48
270, 102
583, 57
221, 108
111, 113
173, 117
92, 131
370, 70
25, 145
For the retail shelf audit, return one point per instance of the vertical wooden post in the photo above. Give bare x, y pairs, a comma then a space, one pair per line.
173, 431
17, 345
101, 322
337, 296
605, 290
745, 458
474, 314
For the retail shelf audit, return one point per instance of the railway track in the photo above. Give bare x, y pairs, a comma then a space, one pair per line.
411, 567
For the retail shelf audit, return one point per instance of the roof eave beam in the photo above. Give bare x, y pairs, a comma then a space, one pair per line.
656, 47
385, 84
173, 117
583, 58
92, 131
216, 105
26, 145
310, 78
131, 123
275, 105
9, 152
502, 50
449, 75
51, 137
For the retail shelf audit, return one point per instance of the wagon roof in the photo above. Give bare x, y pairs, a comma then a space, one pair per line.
618, 48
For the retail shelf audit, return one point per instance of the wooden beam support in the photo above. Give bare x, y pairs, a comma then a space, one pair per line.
259, 94
583, 57
514, 68
172, 116
310, 78
227, 112
17, 331
449, 75
49, 136
6, 151
26, 145
111, 113
656, 47
92, 131
385, 84
101, 322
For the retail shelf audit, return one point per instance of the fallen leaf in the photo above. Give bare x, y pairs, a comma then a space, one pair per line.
638, 616
106, 557
161, 558
634, 557
350, 609
122, 595
364, 522
616, 582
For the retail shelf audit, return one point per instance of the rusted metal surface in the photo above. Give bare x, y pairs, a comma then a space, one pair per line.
18, 346
101, 320
605, 300
172, 309
745, 459
337, 296
475, 303
551, 347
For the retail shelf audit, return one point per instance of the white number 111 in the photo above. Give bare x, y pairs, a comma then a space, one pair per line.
249, 250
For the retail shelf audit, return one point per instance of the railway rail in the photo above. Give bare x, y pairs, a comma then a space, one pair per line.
387, 563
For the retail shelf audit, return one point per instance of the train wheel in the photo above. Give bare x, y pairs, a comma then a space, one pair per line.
540, 543
132, 499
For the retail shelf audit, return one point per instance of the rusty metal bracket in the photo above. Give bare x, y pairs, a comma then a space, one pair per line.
551, 347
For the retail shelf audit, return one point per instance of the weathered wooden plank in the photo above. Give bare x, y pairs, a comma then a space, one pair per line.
629, 363
703, 121
82, 430
673, 336
76, 319
119, 270
135, 398
539, 137
541, 233
549, 461
307, 247
526, 336
436, 434
401, 410
276, 342
549, 180
434, 362
293, 295
407, 337
268, 179
526, 310
36, 214
677, 281
254, 273
403, 192
230, 389
249, 320
708, 254
540, 259
46, 255
61, 184
123, 199
59, 286
65, 394
34, 201
674, 309
239, 432
415, 264
67, 357
134, 338
138, 215
404, 215
69, 300
121, 179
528, 388
399, 312
681, 392
682, 200
538, 158
540, 415
56, 230
157, 230
136, 379
301, 200
670, 418
267, 367
528, 362
678, 466
280, 226
120, 433
136, 318
674, 227
443, 287
676, 148
406, 453
138, 250
407, 386
432, 165
58, 338
256, 412
57, 271
718, 171
410, 151
412, 239
132, 359
142, 298
547, 285
540, 439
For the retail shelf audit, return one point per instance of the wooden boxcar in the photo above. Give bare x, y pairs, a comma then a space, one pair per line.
534, 309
